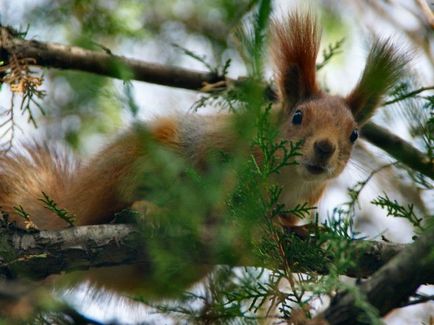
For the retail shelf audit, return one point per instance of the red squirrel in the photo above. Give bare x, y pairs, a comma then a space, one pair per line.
328, 126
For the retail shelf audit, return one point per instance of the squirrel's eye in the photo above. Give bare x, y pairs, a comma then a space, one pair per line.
297, 117
354, 135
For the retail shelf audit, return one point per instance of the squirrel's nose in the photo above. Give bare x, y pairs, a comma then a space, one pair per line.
324, 148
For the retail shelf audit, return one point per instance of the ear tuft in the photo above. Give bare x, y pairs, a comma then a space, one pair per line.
294, 48
384, 67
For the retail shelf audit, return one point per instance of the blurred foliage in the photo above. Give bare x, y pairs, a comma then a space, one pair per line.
87, 105
236, 203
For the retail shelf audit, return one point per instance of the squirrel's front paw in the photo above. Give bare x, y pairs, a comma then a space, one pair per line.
145, 208
288, 221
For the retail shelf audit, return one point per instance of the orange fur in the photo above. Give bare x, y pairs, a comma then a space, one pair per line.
24, 176
99, 194
165, 130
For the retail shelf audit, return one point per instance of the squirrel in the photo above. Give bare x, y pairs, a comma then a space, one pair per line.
326, 124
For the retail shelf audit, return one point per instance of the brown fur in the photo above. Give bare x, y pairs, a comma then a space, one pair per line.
325, 118
98, 194
95, 191
294, 48
25, 175
165, 130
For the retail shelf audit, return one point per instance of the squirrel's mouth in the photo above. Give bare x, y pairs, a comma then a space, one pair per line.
315, 168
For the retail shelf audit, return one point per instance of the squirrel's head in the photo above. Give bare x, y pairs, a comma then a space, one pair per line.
327, 125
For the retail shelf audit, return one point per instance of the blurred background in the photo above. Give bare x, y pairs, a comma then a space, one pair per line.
85, 111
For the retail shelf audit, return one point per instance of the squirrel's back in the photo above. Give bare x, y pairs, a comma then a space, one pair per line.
96, 190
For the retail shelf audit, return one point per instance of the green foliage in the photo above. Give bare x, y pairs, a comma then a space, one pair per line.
22, 213
83, 107
346, 211
53, 207
328, 53
428, 128
394, 209
414, 106
252, 40
92, 103
275, 155
197, 57
131, 103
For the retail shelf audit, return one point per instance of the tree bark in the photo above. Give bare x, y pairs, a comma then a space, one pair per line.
54, 55
39, 254
389, 287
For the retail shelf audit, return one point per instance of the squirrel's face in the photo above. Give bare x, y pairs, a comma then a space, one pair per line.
327, 130
326, 124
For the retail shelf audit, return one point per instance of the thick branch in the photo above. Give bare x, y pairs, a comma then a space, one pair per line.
39, 254
389, 287
398, 148
51, 55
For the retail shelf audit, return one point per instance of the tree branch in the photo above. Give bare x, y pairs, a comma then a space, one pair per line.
398, 148
52, 55
389, 287
408, 95
39, 254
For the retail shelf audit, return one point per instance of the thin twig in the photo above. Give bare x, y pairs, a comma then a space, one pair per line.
408, 95
419, 299
426, 11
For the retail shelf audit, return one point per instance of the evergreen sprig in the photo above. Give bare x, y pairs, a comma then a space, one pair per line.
252, 36
275, 153
328, 53
395, 209
22, 213
51, 205
197, 57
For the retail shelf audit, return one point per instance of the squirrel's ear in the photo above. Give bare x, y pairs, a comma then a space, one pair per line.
294, 48
384, 67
